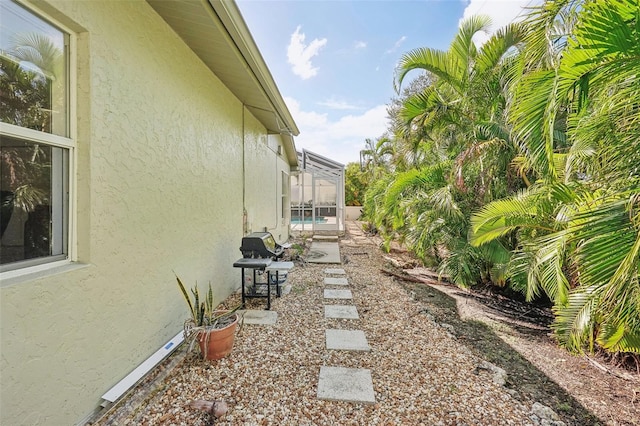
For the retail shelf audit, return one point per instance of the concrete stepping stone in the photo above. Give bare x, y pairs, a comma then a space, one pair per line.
325, 238
336, 281
341, 312
334, 271
259, 317
324, 252
347, 340
346, 384
337, 294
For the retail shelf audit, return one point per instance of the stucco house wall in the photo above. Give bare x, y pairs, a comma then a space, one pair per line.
263, 189
163, 151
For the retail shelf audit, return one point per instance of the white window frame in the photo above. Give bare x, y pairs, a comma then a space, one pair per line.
38, 265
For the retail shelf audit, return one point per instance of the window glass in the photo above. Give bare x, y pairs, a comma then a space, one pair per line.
33, 71
34, 195
34, 87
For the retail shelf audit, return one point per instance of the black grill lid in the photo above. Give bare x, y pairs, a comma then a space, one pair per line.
260, 244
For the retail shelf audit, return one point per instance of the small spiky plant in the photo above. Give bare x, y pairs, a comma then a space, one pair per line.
204, 316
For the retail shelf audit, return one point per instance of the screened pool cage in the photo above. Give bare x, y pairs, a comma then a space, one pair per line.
317, 195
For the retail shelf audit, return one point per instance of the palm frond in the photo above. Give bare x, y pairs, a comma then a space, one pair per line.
443, 202
549, 263
532, 117
462, 47
38, 49
503, 216
463, 265
547, 27
500, 44
435, 61
575, 320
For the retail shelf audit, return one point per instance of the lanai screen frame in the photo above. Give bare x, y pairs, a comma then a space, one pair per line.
318, 169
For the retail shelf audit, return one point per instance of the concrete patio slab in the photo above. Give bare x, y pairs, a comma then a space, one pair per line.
341, 312
338, 294
335, 271
324, 252
317, 237
335, 281
347, 340
346, 384
259, 317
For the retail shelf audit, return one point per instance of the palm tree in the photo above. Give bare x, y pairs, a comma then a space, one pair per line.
412, 145
463, 110
459, 117
576, 120
376, 156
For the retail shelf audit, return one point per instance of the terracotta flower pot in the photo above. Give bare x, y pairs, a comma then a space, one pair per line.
218, 342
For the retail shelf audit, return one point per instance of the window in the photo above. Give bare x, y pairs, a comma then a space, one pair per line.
35, 139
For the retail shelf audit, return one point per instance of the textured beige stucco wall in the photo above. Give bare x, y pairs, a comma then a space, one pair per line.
159, 189
263, 189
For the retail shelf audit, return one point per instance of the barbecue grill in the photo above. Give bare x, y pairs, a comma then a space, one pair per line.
261, 245
260, 254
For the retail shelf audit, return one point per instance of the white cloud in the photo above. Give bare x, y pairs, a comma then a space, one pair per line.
299, 54
502, 13
360, 44
340, 140
397, 44
335, 103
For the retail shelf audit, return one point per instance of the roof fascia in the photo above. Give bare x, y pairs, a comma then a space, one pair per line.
234, 23
237, 29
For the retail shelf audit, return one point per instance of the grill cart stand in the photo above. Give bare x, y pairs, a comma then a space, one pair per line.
259, 264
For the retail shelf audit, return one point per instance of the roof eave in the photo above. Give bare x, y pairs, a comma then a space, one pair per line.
214, 29
233, 21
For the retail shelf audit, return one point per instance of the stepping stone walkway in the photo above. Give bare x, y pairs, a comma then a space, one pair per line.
347, 340
337, 294
338, 383
341, 312
346, 384
260, 317
336, 281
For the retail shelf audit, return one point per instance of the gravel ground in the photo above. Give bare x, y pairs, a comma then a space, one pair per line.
421, 374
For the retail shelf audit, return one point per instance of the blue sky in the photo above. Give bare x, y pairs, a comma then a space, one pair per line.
333, 61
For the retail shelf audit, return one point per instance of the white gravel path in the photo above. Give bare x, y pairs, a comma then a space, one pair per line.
421, 374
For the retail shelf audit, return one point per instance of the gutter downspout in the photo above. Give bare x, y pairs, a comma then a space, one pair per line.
278, 201
245, 218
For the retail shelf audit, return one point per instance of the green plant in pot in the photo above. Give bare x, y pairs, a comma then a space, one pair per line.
213, 329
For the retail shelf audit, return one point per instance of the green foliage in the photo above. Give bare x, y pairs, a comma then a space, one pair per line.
516, 163
584, 250
202, 310
355, 185
26, 100
28, 92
